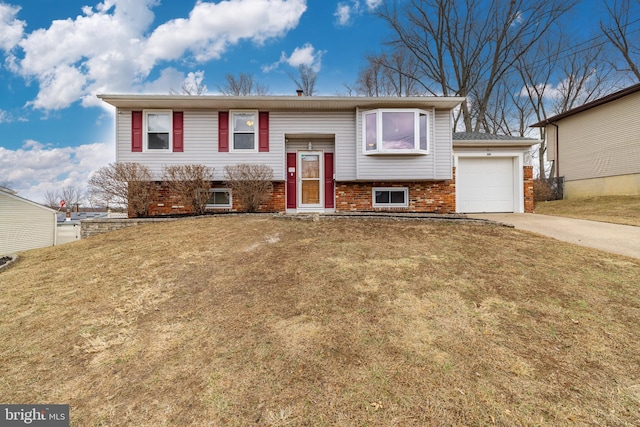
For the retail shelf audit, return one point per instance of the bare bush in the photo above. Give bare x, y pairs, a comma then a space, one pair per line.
123, 184
250, 184
188, 183
547, 189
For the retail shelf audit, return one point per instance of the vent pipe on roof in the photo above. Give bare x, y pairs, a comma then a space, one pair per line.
299, 92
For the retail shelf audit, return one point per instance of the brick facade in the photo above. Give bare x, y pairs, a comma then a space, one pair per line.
424, 196
528, 189
163, 202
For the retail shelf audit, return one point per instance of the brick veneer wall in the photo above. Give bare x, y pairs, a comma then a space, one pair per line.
424, 196
164, 202
528, 189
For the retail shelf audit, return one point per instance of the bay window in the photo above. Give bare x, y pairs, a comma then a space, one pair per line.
396, 131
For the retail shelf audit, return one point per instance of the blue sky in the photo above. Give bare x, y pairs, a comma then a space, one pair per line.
56, 55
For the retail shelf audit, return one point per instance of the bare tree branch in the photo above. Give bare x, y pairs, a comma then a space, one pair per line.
242, 85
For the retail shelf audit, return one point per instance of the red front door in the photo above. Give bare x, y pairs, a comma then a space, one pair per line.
291, 180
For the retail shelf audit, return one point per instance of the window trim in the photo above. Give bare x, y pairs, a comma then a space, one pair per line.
145, 131
405, 190
379, 149
256, 133
219, 190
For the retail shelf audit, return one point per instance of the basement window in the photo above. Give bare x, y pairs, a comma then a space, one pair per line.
219, 198
391, 197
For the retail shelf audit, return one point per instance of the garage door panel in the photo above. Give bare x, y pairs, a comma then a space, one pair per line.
485, 184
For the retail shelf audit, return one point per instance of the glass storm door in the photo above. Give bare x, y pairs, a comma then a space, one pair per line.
310, 188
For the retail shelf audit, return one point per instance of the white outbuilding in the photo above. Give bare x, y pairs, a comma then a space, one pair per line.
24, 224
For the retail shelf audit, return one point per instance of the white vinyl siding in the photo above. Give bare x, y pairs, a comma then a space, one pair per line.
341, 124
294, 145
600, 142
200, 147
25, 225
434, 166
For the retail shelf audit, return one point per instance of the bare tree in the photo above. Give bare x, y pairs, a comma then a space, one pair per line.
51, 199
188, 182
72, 195
123, 184
569, 75
242, 85
192, 85
390, 74
617, 31
464, 48
306, 80
250, 184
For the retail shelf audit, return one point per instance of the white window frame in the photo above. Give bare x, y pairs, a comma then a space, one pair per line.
232, 132
219, 190
145, 127
390, 205
379, 148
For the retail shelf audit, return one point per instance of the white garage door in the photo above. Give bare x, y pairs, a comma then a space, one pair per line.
485, 184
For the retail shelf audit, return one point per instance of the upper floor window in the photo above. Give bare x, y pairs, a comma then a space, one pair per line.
396, 131
158, 125
243, 127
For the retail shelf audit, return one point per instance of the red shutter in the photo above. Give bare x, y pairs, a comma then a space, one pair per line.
263, 131
136, 131
329, 196
223, 131
178, 131
291, 180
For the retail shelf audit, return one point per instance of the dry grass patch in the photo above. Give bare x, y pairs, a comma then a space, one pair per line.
258, 321
615, 209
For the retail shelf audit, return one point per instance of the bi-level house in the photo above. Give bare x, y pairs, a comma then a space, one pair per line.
329, 154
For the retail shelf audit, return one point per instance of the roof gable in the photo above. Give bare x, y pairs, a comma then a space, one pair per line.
5, 192
589, 105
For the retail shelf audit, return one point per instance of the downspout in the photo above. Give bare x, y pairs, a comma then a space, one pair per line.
557, 153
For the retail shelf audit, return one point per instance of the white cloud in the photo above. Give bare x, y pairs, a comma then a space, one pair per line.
305, 55
4, 117
11, 29
347, 11
112, 48
35, 167
343, 14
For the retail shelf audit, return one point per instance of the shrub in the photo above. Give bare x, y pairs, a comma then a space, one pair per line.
189, 183
250, 184
123, 184
548, 189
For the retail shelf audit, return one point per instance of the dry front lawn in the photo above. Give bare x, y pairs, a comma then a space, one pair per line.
253, 320
615, 209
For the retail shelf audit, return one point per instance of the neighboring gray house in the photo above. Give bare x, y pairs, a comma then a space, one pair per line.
24, 224
328, 154
596, 147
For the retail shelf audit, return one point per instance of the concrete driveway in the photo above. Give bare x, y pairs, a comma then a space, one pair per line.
614, 238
